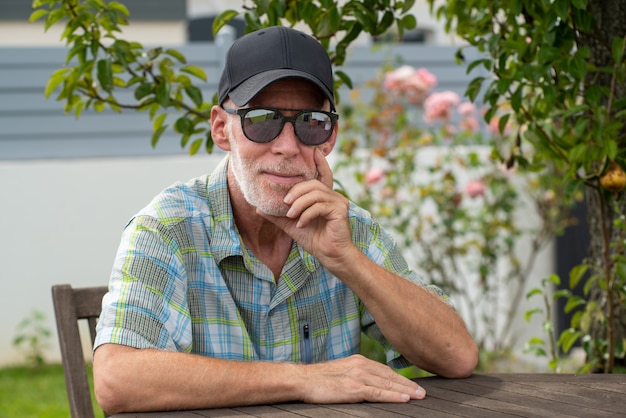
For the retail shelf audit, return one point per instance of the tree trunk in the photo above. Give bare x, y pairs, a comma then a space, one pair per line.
610, 22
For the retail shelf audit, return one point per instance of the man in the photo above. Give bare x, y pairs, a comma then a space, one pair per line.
252, 285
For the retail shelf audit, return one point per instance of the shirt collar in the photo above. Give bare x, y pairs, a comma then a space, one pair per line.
226, 241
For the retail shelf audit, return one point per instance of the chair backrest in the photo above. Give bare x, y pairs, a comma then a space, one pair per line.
70, 306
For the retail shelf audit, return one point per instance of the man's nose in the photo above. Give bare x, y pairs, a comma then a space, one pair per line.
287, 141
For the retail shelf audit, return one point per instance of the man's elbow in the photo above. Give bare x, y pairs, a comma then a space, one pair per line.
108, 394
465, 362
108, 385
108, 397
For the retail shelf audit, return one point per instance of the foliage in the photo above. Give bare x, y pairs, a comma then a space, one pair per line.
585, 311
568, 107
100, 65
33, 339
418, 160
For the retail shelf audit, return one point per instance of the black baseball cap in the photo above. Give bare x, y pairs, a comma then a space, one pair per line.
259, 58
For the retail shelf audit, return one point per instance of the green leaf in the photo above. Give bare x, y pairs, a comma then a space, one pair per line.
366, 17
562, 9
195, 94
610, 148
222, 20
502, 123
593, 95
528, 315
208, 144
554, 279
184, 139
408, 22
195, 146
573, 303
143, 90
195, 71
156, 135
620, 270
328, 24
53, 17
78, 109
618, 49
162, 92
344, 78
549, 95
55, 79
119, 7
37, 14
176, 54
516, 99
475, 64
183, 125
576, 274
561, 293
474, 87
158, 122
105, 75
568, 338
385, 22
99, 106
407, 5
119, 82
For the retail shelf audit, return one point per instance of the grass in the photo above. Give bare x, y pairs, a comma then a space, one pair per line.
34, 393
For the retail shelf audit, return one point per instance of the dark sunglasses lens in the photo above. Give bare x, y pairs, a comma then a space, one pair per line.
262, 125
313, 128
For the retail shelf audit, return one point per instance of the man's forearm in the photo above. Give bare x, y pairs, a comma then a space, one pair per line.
418, 323
129, 379
132, 380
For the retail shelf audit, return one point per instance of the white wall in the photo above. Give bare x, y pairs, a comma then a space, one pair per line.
61, 222
147, 33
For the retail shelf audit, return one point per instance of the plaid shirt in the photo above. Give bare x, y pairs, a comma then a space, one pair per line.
184, 281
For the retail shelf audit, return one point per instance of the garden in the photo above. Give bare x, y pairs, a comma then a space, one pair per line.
456, 183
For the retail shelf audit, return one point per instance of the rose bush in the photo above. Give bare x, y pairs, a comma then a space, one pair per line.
423, 163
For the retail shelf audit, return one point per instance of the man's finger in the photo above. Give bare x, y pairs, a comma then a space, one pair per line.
324, 173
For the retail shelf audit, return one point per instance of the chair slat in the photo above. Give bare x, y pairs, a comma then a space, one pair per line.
70, 306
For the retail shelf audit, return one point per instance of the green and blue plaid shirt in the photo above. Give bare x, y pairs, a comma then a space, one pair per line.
184, 281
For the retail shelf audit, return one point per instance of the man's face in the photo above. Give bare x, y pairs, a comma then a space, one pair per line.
264, 173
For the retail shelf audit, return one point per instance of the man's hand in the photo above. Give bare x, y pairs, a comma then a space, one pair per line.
318, 217
357, 379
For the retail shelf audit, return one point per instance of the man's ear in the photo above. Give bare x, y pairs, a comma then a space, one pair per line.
218, 128
328, 146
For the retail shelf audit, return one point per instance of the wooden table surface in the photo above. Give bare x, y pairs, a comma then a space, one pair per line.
482, 395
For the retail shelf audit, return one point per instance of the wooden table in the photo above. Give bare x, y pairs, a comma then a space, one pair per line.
482, 395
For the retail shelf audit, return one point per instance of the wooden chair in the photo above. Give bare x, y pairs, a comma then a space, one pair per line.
70, 306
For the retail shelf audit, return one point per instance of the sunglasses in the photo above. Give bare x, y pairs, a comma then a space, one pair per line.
263, 125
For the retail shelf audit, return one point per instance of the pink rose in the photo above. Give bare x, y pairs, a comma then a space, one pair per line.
422, 80
475, 188
438, 106
467, 109
396, 79
374, 175
470, 124
412, 83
